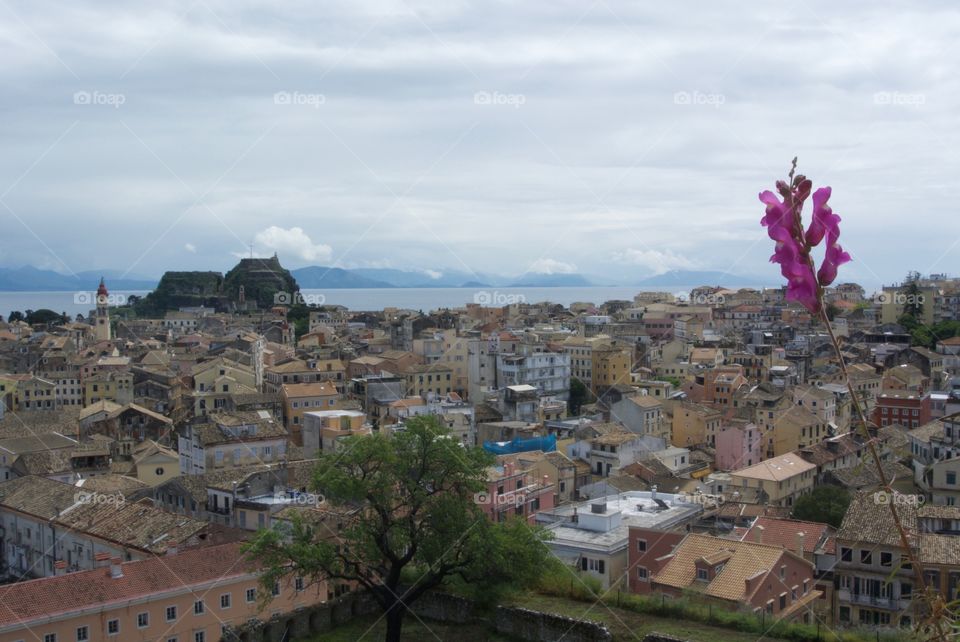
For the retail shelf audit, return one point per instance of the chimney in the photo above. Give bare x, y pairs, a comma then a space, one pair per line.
758, 534
171, 548
60, 567
653, 492
546, 480
801, 536
115, 569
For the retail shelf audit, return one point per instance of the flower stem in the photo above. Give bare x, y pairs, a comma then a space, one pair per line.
884, 482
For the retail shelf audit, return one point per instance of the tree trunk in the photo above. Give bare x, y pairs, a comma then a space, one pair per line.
395, 621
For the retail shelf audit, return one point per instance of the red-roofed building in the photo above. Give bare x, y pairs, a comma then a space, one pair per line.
815, 542
187, 596
648, 552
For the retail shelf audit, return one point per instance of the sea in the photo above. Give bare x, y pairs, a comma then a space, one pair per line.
425, 299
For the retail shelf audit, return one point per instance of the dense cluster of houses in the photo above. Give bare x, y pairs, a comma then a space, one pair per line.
663, 441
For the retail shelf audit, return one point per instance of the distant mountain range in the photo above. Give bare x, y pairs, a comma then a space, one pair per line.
30, 279
695, 278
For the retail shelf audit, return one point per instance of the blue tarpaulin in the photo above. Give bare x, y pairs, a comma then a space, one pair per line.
546, 444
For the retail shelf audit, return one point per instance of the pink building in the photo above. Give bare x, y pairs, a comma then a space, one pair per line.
187, 597
738, 445
515, 492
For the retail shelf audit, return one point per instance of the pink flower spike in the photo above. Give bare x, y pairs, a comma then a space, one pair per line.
793, 243
823, 218
833, 259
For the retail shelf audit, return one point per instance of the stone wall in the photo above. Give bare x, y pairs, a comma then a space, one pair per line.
518, 623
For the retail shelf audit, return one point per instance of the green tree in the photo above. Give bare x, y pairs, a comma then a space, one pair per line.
42, 315
416, 523
913, 296
826, 504
579, 395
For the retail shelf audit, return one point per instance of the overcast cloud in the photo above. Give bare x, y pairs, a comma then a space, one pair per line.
604, 138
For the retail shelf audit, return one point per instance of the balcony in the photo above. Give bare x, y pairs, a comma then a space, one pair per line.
864, 599
604, 454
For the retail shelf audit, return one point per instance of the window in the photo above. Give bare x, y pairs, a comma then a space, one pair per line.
113, 627
866, 557
171, 613
703, 574
251, 595
225, 601
276, 589
298, 584
199, 636
198, 607
642, 574
886, 559
143, 620
951, 478
783, 601
846, 554
83, 634
641, 545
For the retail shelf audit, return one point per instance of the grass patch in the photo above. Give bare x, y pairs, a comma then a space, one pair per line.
413, 630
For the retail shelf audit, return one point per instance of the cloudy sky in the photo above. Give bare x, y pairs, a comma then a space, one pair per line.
595, 137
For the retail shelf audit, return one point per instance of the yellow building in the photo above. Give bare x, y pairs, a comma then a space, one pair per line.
895, 299
790, 427
9, 390
611, 366
778, 481
299, 398
155, 464
429, 381
694, 425
108, 386
216, 381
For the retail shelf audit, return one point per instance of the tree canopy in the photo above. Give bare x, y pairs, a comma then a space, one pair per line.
825, 504
408, 520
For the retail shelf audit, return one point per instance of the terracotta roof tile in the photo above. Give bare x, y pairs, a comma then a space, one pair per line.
52, 596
